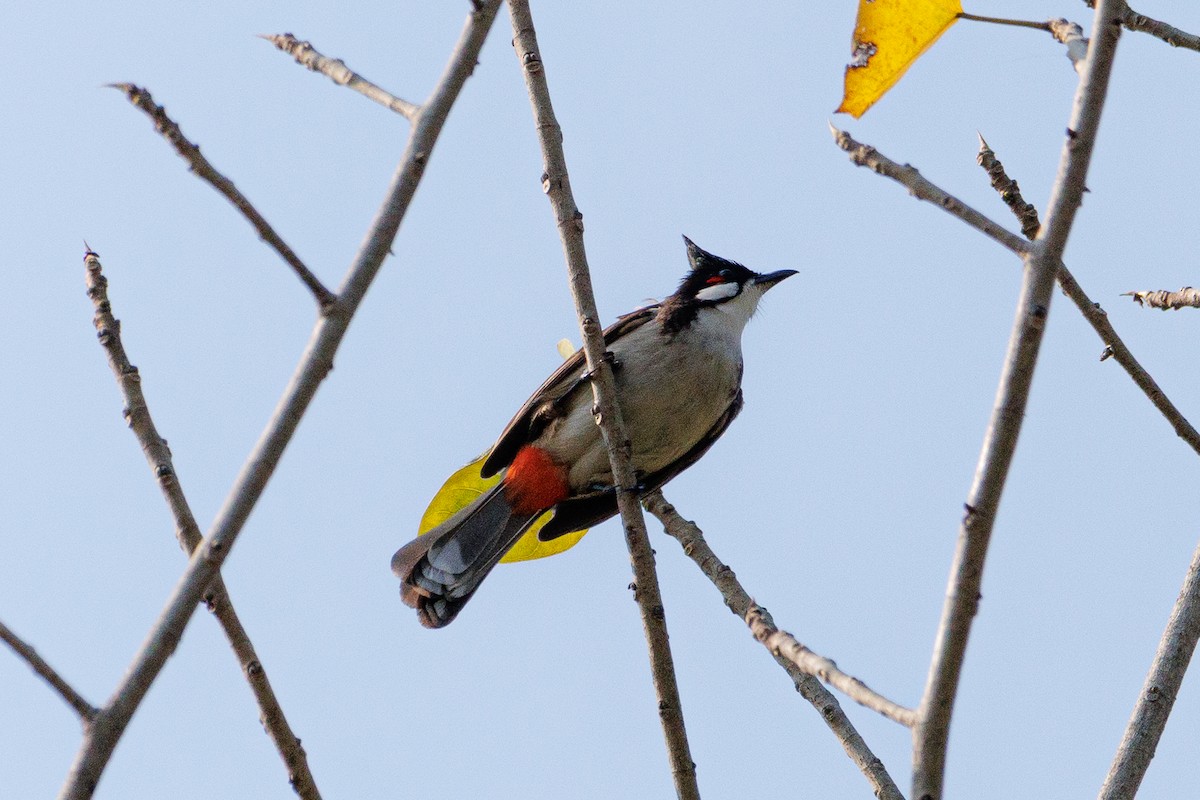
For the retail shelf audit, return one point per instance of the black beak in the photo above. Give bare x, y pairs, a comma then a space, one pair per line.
771, 278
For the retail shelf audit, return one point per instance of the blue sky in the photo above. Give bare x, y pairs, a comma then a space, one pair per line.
835, 496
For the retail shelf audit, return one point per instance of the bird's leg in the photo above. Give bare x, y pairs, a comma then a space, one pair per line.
587, 375
612, 360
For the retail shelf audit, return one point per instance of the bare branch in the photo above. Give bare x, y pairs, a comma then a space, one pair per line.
205, 170
1016, 23
74, 699
1071, 35
556, 184
336, 70
1158, 695
103, 735
1063, 30
1143, 24
691, 538
779, 643
158, 455
1009, 191
1187, 297
783, 644
1168, 33
866, 156
1115, 347
931, 734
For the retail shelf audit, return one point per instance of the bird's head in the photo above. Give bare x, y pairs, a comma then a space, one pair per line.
715, 282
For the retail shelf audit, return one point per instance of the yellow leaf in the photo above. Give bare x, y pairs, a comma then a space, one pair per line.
889, 35
565, 348
463, 487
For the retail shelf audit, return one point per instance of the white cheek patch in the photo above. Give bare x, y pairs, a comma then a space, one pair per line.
719, 291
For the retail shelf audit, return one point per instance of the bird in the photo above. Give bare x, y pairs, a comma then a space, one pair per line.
678, 369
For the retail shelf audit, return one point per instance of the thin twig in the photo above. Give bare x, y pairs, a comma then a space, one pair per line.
1019, 23
695, 546
1187, 297
783, 644
1009, 191
315, 364
1158, 695
158, 455
200, 165
86, 711
556, 184
931, 734
866, 156
1114, 346
1063, 30
780, 644
1168, 33
1143, 24
336, 70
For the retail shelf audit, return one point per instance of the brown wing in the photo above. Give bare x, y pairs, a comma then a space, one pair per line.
584, 512
528, 423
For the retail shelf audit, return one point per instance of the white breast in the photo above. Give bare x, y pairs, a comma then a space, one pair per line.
672, 392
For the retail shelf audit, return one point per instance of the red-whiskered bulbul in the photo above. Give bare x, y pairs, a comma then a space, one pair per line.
678, 371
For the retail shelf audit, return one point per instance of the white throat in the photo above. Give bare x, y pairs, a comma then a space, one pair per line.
732, 315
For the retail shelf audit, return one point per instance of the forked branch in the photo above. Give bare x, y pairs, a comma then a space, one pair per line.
784, 645
203, 169
158, 455
103, 735
1065, 31
931, 734
1114, 347
1143, 24
66, 691
864, 155
696, 547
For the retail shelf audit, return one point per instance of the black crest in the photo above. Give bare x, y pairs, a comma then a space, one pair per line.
678, 310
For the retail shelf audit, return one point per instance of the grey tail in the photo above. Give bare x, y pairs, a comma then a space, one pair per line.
440, 570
